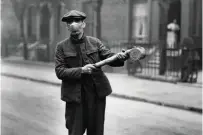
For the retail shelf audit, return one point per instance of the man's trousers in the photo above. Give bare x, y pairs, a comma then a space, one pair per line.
89, 114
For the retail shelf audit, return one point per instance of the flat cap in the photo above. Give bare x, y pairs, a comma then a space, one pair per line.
73, 14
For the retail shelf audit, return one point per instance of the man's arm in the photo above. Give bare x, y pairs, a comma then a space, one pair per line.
62, 72
106, 53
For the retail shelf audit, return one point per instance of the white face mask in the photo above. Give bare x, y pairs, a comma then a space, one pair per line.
76, 27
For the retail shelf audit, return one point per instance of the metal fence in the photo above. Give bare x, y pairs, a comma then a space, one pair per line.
35, 51
161, 63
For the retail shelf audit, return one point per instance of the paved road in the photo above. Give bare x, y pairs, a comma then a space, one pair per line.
122, 84
30, 108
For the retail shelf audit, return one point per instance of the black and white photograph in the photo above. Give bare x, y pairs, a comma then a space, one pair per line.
101, 67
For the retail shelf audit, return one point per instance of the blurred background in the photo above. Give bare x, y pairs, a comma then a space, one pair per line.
170, 75
31, 30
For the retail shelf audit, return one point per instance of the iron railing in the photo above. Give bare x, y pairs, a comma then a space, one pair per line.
159, 62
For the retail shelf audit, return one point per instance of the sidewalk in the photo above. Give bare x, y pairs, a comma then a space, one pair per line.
182, 96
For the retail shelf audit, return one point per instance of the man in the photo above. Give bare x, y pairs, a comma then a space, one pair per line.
84, 87
189, 58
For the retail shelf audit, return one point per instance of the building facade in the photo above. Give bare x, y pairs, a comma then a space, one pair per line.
121, 20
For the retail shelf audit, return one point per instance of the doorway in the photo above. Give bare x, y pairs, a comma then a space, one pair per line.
174, 12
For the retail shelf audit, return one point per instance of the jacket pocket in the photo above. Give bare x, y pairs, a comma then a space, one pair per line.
71, 59
102, 84
93, 55
70, 54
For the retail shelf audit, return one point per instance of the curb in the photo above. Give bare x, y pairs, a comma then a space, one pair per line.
182, 107
173, 81
157, 79
39, 63
30, 79
197, 85
48, 64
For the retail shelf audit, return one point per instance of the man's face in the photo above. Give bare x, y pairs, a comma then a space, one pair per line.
75, 25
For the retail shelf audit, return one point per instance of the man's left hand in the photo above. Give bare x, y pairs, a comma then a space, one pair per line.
122, 56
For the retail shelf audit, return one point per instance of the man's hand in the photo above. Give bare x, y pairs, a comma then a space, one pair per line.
87, 69
122, 56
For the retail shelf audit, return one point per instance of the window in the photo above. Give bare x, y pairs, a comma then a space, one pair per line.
91, 21
45, 22
194, 17
31, 25
140, 21
197, 18
58, 19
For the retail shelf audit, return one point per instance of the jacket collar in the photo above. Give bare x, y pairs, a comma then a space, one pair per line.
77, 41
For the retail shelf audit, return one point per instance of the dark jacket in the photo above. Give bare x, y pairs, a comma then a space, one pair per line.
68, 68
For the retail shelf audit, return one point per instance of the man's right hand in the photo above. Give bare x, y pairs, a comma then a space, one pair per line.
87, 69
